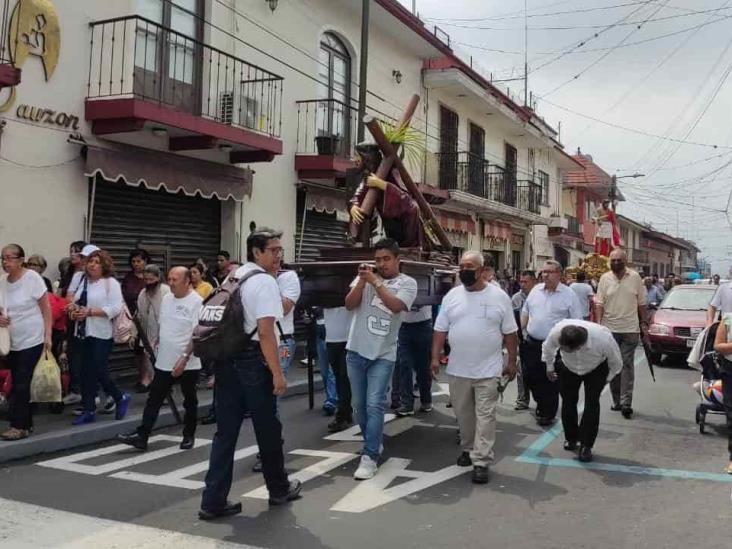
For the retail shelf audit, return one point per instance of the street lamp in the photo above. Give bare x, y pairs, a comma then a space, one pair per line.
614, 186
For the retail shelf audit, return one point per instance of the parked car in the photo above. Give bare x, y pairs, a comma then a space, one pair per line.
679, 320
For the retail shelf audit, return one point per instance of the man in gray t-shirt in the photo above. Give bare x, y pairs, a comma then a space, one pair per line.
378, 298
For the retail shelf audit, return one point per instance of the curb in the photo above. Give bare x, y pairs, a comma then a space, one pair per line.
74, 437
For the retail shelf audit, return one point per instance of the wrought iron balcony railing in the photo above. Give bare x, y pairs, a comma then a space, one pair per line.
134, 57
326, 127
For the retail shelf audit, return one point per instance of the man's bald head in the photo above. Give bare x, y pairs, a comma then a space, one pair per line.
473, 257
618, 254
618, 260
179, 280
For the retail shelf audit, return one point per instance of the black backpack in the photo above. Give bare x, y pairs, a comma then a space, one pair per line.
220, 332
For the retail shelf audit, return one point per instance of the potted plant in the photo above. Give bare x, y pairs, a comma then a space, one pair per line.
328, 144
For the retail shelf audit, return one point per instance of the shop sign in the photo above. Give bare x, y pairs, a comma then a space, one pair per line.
47, 116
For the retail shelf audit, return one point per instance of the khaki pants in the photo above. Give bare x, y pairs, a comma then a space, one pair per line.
474, 403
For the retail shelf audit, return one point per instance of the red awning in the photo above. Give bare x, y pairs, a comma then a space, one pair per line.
455, 222
158, 169
497, 230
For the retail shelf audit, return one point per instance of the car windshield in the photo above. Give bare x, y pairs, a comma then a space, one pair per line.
688, 299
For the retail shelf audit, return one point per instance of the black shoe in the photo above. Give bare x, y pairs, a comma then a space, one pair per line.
404, 411
226, 511
627, 412
544, 421
133, 439
616, 407
328, 411
585, 454
257, 467
208, 420
570, 446
464, 460
292, 493
480, 475
338, 425
141, 388
187, 443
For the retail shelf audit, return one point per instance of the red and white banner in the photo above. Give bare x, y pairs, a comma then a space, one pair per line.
497, 230
455, 222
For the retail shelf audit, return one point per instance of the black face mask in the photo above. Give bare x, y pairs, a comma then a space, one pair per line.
467, 277
151, 287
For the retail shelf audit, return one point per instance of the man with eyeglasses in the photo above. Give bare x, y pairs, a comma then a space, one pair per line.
547, 304
250, 382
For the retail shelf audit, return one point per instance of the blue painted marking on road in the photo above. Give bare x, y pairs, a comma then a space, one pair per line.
630, 469
531, 455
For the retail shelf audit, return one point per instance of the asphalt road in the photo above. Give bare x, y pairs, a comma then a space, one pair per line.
655, 482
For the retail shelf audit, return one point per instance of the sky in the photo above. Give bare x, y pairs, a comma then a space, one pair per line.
655, 76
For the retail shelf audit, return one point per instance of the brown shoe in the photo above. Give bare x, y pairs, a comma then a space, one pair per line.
14, 434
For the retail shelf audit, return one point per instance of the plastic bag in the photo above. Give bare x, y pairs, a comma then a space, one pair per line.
46, 382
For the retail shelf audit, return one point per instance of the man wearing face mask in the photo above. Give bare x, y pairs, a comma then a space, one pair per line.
620, 305
478, 319
148, 310
547, 304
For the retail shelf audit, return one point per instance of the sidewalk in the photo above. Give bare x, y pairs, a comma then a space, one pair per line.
54, 432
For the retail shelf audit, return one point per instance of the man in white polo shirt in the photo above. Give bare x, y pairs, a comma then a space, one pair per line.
547, 304
478, 319
589, 356
722, 300
179, 312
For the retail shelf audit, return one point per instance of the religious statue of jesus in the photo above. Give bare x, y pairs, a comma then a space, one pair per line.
607, 237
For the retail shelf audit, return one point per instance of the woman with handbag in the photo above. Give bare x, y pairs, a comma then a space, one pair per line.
26, 313
97, 302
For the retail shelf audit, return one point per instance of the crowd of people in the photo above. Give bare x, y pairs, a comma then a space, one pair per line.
489, 329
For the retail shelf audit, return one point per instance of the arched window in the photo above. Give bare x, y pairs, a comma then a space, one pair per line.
334, 88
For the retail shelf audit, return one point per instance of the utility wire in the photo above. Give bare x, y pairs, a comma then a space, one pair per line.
534, 15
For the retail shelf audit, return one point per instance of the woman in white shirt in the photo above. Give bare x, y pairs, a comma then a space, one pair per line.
25, 311
98, 301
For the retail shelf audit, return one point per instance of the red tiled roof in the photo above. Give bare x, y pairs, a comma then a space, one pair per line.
591, 175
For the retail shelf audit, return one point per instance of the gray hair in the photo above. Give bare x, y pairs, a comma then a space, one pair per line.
475, 255
152, 269
619, 252
555, 264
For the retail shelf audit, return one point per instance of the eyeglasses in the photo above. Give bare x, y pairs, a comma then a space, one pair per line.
33, 264
276, 250
10, 257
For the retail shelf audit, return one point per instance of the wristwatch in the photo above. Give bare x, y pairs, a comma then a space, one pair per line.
378, 284
186, 355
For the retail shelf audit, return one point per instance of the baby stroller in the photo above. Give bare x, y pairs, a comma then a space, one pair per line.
710, 385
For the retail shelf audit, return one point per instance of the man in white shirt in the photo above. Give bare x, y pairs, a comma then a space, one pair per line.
478, 319
589, 355
527, 281
379, 298
289, 285
250, 382
547, 304
178, 316
721, 302
584, 294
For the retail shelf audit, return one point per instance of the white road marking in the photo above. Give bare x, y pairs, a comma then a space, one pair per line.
179, 477
71, 462
332, 461
26, 526
370, 494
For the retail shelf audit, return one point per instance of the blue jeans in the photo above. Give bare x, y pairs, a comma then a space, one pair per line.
291, 345
244, 384
94, 354
329, 380
414, 354
369, 385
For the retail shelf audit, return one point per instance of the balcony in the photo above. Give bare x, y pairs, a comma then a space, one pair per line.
148, 83
469, 173
326, 138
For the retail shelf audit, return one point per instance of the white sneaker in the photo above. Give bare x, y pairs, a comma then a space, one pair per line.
109, 406
72, 398
366, 469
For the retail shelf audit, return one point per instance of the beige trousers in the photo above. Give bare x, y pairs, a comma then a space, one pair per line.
474, 403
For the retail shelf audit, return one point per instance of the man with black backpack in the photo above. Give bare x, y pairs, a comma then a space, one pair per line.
237, 330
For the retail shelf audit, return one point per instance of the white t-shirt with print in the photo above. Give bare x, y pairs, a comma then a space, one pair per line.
178, 318
374, 328
289, 285
476, 323
260, 297
21, 306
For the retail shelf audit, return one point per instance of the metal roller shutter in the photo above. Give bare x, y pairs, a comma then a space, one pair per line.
321, 230
174, 228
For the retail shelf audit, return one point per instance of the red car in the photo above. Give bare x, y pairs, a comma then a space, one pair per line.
679, 319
